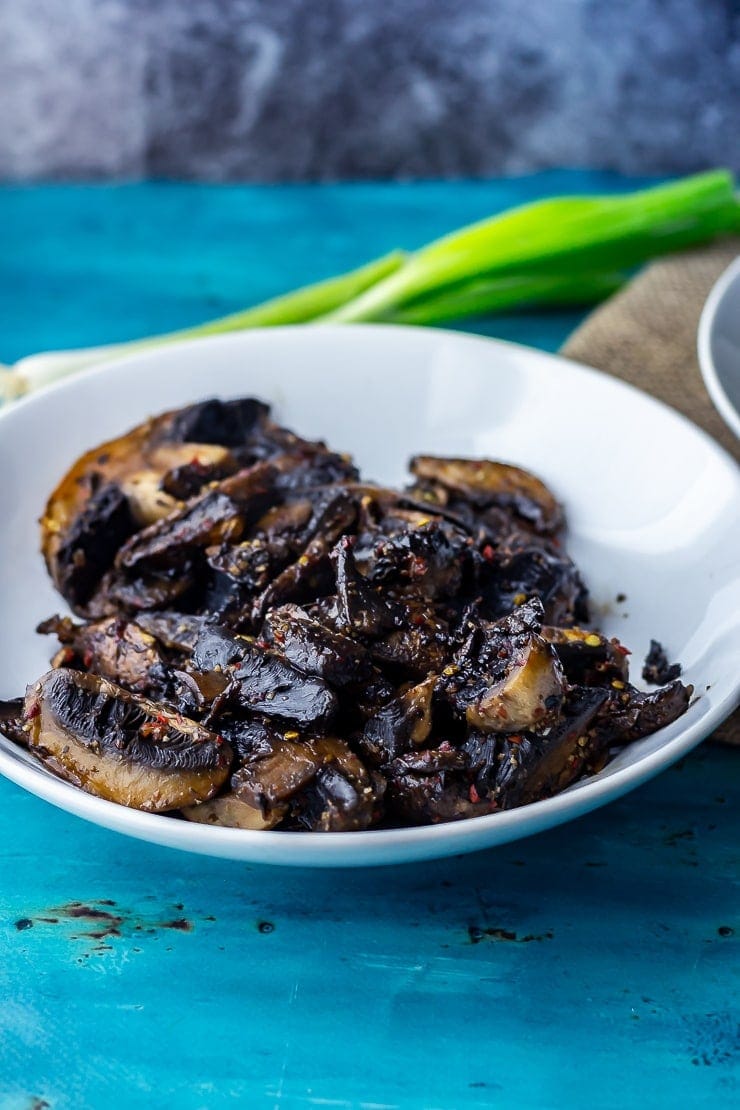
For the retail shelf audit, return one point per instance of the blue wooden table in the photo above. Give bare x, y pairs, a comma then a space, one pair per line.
595, 965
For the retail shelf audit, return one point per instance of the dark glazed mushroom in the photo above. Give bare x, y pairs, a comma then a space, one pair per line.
112, 648
295, 781
262, 683
506, 678
293, 648
124, 748
484, 484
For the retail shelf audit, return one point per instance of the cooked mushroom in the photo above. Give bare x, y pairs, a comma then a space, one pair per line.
83, 552
315, 649
121, 747
113, 648
263, 683
216, 516
367, 655
484, 483
401, 724
360, 609
507, 678
629, 714
304, 782
588, 658
11, 720
521, 567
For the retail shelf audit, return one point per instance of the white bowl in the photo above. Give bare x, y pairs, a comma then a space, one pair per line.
653, 505
719, 346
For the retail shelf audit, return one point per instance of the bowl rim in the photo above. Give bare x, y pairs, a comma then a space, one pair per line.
706, 335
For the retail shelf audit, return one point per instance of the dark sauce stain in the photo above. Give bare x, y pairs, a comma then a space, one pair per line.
621, 598
477, 934
103, 923
39, 1104
726, 931
109, 923
265, 927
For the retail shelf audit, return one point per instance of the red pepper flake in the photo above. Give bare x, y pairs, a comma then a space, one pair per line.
488, 553
32, 711
473, 794
418, 567
87, 658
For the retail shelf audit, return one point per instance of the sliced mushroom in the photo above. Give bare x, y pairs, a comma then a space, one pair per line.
310, 576
419, 647
147, 500
402, 724
232, 812
343, 796
113, 648
79, 555
178, 631
263, 683
485, 483
224, 423
315, 649
428, 557
11, 720
219, 515
121, 747
521, 567
588, 658
529, 694
630, 714
310, 783
108, 493
360, 609
506, 678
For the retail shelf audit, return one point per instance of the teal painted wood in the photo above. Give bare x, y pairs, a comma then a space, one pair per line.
594, 965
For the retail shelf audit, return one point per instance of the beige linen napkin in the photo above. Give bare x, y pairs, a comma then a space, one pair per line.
646, 335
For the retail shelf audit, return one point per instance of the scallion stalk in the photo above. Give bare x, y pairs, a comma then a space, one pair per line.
496, 294
617, 231
564, 250
298, 307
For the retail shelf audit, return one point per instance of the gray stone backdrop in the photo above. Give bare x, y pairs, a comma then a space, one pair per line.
304, 89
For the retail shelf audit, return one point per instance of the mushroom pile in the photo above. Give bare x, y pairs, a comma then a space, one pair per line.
265, 641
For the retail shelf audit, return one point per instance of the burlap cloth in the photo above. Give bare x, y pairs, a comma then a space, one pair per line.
646, 335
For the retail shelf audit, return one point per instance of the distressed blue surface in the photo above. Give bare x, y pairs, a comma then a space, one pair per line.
596, 964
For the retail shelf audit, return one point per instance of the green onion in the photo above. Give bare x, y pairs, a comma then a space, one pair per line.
489, 295
565, 250
303, 305
613, 231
